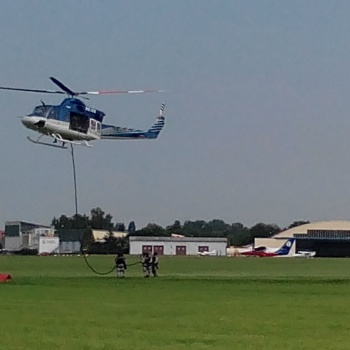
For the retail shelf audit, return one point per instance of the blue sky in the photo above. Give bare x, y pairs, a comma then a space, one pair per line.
257, 114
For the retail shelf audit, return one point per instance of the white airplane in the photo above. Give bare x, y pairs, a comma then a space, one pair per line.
304, 254
213, 252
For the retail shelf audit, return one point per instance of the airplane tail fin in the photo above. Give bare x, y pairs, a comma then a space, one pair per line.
156, 128
285, 249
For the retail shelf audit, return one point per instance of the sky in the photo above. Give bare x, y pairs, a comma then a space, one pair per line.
257, 109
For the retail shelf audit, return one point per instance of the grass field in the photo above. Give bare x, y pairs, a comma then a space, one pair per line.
196, 303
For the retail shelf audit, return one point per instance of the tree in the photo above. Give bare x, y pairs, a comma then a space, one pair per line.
80, 221
100, 221
176, 227
122, 245
215, 228
119, 226
131, 227
193, 228
238, 234
88, 240
264, 230
152, 230
63, 222
75, 222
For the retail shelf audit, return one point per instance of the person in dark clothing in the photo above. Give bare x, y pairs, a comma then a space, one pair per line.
120, 265
154, 264
146, 264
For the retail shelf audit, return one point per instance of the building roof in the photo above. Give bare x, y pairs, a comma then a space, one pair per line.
319, 225
177, 239
8, 223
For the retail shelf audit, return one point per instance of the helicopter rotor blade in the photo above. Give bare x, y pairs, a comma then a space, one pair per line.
71, 93
63, 87
111, 92
32, 90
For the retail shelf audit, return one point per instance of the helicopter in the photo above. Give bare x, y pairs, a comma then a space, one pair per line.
73, 122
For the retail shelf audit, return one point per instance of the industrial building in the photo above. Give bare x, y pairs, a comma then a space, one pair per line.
70, 240
21, 235
177, 245
326, 238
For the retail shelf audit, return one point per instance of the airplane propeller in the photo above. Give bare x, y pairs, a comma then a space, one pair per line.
71, 93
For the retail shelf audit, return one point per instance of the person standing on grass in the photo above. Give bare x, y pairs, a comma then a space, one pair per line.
120, 265
146, 264
154, 264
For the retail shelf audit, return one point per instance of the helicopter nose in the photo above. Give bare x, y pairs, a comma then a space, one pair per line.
26, 121
31, 122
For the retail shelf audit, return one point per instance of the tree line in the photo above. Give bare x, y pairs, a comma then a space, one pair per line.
236, 233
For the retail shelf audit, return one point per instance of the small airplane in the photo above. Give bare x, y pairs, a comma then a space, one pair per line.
264, 252
304, 254
75, 123
212, 253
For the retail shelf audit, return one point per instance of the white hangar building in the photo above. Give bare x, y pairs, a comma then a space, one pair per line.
326, 238
177, 245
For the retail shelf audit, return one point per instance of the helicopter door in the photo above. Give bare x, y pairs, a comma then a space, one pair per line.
79, 122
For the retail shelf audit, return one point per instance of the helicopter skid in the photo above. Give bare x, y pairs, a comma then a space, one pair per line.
58, 137
38, 142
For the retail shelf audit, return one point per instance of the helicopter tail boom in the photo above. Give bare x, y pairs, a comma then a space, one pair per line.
113, 132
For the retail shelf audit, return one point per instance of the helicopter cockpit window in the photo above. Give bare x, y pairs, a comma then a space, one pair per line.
41, 111
53, 113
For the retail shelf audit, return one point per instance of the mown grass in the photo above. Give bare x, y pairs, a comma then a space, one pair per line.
197, 303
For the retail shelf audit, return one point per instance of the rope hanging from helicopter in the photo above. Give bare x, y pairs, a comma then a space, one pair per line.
76, 217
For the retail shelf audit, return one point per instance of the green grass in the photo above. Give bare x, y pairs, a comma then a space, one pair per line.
196, 303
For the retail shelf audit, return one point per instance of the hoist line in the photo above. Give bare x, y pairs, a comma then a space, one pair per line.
76, 218
75, 182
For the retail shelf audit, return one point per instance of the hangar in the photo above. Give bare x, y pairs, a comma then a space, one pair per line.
326, 238
177, 245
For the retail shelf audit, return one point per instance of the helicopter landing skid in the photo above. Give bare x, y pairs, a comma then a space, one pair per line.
38, 142
58, 137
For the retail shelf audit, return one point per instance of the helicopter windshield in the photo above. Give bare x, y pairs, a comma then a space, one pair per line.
41, 111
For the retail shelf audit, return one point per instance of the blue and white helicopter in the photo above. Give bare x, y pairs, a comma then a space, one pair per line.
75, 123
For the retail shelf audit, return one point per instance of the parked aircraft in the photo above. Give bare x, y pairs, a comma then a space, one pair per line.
213, 252
304, 254
264, 252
